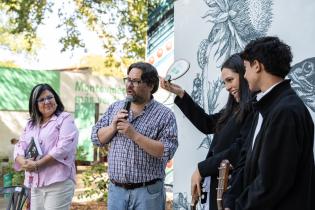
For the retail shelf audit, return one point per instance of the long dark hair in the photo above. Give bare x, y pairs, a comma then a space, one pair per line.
35, 115
240, 109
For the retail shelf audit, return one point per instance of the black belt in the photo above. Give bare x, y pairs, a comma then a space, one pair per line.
131, 186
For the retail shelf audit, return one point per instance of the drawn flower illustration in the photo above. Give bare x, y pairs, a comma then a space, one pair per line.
235, 23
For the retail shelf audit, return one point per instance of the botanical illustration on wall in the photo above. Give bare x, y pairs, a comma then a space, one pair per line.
302, 77
233, 23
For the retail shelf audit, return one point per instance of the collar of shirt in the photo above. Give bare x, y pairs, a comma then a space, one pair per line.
262, 94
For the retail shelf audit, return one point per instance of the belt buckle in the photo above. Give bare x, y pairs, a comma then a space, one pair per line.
129, 186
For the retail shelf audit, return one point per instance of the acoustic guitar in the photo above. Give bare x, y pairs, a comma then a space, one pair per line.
224, 169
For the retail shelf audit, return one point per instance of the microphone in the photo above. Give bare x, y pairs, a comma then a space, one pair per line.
128, 101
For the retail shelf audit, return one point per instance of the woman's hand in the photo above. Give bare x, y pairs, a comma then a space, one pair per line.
29, 165
173, 88
26, 164
195, 185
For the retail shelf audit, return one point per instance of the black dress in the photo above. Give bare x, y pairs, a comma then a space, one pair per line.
226, 143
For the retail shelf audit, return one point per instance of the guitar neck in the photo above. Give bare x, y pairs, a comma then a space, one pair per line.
222, 181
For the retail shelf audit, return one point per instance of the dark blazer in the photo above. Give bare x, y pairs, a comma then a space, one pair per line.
278, 173
226, 143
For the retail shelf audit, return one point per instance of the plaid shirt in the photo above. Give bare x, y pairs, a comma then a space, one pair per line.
128, 163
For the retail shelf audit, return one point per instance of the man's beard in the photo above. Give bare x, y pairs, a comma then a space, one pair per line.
138, 99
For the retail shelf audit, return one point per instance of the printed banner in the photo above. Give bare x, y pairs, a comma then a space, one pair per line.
16, 85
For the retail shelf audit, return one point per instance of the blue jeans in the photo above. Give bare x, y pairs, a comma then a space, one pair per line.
151, 197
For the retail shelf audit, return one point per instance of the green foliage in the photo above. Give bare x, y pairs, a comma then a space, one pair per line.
18, 43
120, 24
8, 63
81, 153
20, 20
96, 181
17, 176
7, 167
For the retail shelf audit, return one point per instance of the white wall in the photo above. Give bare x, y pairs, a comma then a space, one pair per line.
291, 20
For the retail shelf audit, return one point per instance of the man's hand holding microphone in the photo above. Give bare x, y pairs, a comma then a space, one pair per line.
121, 120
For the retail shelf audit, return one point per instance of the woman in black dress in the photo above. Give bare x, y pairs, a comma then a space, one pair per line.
229, 126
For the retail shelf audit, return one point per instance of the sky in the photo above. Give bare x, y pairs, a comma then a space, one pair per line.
49, 56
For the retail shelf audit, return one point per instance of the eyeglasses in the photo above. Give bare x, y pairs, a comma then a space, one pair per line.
134, 83
42, 100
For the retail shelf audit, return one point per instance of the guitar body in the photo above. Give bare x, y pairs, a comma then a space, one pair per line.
223, 178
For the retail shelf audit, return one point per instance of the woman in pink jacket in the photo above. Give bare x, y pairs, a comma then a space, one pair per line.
51, 176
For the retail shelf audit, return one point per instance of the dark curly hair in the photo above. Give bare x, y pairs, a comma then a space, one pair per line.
149, 74
274, 54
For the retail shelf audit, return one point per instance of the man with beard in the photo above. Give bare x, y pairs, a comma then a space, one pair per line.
142, 134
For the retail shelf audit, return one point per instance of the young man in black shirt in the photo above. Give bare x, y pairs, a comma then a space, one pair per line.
277, 171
